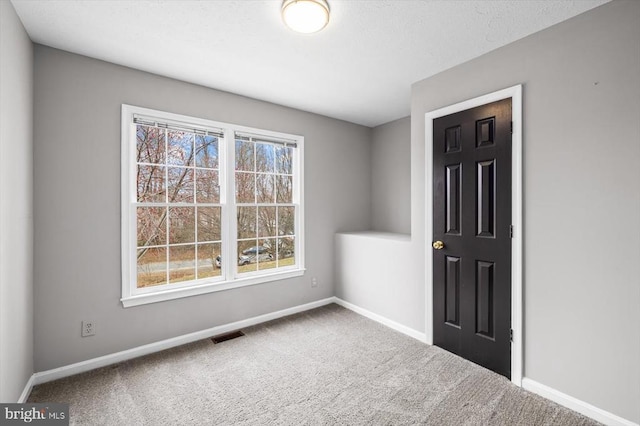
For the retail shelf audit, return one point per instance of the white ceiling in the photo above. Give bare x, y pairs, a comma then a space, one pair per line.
360, 68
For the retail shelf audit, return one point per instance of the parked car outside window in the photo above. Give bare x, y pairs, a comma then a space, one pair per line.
250, 255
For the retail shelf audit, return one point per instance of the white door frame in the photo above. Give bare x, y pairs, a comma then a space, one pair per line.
515, 93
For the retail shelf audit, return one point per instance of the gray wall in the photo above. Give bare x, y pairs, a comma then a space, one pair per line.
77, 204
391, 176
581, 192
16, 206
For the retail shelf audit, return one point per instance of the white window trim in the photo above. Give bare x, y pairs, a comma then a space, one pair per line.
229, 278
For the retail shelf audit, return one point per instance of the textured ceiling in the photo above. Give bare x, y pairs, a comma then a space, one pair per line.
360, 68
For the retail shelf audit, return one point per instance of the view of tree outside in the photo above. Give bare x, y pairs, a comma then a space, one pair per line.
178, 210
265, 210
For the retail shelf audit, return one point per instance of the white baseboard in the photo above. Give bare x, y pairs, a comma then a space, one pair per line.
382, 320
103, 361
575, 404
27, 390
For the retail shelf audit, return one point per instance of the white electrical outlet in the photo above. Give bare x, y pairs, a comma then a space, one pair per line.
314, 282
88, 328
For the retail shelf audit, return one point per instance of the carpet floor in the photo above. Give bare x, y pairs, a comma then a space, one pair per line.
327, 366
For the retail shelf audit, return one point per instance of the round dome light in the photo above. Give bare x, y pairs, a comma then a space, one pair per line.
305, 16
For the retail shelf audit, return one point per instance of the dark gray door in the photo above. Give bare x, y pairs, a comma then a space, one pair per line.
472, 235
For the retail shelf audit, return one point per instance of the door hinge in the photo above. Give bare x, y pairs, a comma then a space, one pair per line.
511, 231
511, 335
512, 127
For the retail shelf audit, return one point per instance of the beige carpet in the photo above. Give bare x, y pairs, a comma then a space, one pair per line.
328, 366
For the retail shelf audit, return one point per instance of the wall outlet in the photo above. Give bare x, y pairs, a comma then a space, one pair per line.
88, 328
314, 282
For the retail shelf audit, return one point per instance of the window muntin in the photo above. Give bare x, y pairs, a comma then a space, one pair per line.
178, 224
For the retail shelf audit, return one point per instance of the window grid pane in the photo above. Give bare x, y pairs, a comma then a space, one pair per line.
264, 198
177, 174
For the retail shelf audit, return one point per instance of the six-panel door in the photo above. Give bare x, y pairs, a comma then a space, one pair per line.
472, 217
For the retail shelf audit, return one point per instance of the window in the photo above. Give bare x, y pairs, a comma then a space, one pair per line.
196, 193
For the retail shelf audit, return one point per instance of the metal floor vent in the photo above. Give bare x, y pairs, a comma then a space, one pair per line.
228, 336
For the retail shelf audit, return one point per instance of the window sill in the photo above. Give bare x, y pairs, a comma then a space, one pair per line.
161, 296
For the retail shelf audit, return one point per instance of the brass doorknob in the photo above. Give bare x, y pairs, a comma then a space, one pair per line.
438, 245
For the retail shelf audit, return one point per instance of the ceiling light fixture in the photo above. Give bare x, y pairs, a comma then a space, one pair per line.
305, 16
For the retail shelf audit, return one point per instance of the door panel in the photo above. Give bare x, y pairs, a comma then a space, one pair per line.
454, 201
452, 139
484, 132
484, 299
472, 217
452, 295
486, 198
